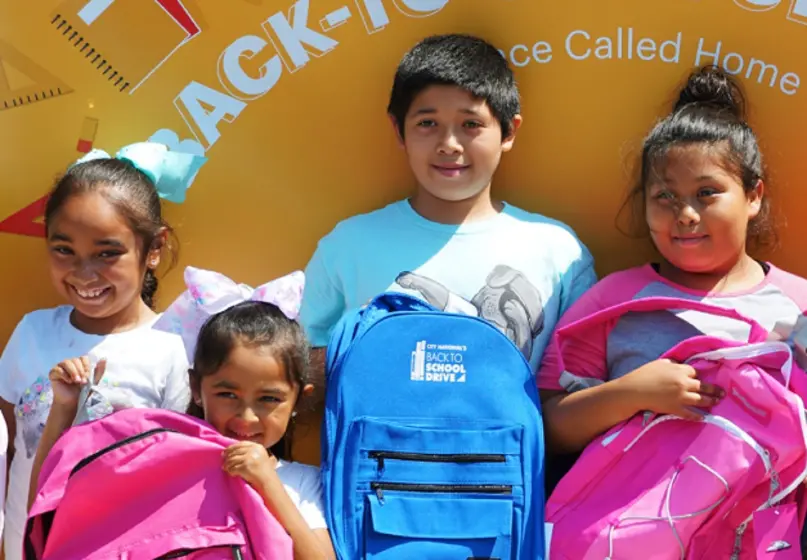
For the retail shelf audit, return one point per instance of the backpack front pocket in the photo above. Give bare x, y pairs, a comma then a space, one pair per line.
431, 489
438, 521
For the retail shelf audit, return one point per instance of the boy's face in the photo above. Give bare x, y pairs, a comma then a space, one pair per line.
453, 143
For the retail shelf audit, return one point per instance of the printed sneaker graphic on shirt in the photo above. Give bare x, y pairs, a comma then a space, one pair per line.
508, 300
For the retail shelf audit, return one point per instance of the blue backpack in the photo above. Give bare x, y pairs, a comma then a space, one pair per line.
432, 442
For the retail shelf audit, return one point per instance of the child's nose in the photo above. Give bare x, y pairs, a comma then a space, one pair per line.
449, 143
85, 272
248, 415
687, 215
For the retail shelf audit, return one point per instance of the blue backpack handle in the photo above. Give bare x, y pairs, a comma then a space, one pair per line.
355, 323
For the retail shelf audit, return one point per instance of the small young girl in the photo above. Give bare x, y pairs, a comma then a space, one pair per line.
250, 370
702, 198
106, 237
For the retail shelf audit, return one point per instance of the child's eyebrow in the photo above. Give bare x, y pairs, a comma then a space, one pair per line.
429, 110
224, 384
60, 237
113, 242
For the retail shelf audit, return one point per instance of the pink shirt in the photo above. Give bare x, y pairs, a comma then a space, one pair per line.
620, 346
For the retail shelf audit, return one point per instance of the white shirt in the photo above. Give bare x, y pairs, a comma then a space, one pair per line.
3, 454
146, 368
304, 486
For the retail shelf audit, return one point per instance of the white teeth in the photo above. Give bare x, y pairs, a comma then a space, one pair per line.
245, 436
90, 293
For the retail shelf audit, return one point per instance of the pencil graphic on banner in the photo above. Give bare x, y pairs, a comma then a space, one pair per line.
86, 137
126, 40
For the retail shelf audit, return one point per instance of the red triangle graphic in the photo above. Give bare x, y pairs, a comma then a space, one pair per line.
24, 222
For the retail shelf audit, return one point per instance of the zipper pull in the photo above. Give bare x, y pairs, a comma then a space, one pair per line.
380, 464
738, 541
380, 495
237, 553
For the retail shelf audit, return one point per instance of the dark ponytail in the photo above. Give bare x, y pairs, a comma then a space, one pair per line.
711, 112
150, 284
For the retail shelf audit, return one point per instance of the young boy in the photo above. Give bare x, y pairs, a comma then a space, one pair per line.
455, 109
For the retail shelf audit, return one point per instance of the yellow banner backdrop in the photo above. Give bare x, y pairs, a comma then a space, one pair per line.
287, 99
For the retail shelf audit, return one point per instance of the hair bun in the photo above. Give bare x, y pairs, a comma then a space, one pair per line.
712, 86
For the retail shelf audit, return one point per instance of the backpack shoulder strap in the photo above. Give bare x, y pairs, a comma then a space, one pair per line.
757, 332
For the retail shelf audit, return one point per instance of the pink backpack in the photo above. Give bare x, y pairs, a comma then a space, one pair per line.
142, 484
659, 487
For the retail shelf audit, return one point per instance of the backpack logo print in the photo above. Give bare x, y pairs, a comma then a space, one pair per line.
438, 363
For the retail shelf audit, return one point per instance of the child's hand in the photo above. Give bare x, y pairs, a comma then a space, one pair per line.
666, 387
69, 376
252, 462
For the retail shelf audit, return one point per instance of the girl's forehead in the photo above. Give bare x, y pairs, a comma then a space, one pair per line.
90, 215
698, 160
252, 367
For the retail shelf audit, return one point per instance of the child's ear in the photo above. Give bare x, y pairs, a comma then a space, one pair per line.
755, 200
307, 390
509, 140
156, 249
397, 130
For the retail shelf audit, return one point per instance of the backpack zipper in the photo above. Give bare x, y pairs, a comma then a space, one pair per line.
461, 458
379, 487
237, 555
87, 460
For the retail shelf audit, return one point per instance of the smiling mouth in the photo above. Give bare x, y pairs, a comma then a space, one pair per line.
690, 240
245, 436
91, 295
451, 170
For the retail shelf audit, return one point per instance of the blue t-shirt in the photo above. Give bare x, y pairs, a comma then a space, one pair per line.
518, 270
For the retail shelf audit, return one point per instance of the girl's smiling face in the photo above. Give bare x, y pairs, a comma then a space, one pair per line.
698, 212
250, 397
97, 262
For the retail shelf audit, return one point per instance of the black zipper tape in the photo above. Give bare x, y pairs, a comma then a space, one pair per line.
443, 488
87, 460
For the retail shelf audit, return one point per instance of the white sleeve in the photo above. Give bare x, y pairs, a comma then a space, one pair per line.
12, 379
310, 490
456, 304
177, 393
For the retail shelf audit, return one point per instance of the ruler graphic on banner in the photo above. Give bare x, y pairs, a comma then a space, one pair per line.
23, 81
126, 40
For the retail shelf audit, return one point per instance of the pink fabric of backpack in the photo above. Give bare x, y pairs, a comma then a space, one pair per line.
658, 487
142, 484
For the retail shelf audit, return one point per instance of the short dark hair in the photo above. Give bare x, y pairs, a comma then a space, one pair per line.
711, 113
467, 62
132, 194
251, 323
